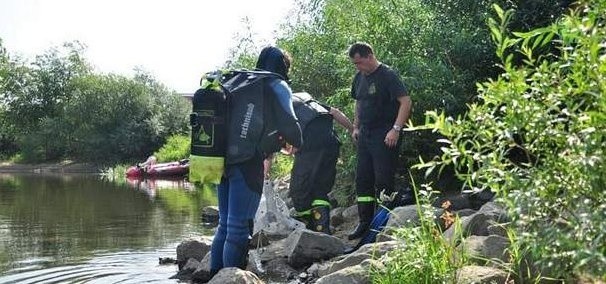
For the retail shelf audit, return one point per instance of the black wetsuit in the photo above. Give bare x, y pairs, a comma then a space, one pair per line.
314, 169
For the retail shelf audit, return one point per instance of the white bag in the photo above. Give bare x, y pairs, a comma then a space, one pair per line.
272, 216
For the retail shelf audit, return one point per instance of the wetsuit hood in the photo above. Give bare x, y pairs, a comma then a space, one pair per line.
272, 59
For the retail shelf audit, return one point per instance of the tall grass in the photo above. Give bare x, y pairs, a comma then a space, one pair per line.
428, 257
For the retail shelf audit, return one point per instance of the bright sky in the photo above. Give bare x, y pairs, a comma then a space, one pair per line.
175, 40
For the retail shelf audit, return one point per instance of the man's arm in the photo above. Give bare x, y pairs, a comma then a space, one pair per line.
403, 111
391, 139
286, 120
340, 117
356, 123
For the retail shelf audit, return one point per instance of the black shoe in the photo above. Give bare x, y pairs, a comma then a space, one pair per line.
359, 231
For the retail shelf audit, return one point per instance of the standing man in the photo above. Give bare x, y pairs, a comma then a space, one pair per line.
382, 108
314, 169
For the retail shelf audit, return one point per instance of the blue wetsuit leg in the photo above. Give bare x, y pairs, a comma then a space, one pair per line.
237, 205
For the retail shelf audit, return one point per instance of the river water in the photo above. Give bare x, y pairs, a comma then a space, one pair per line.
85, 229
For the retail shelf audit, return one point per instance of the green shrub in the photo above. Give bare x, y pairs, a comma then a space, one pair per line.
536, 137
281, 166
177, 147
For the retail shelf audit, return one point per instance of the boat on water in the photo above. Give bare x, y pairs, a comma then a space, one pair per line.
170, 169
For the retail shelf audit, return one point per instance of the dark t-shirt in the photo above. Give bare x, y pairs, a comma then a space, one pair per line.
377, 95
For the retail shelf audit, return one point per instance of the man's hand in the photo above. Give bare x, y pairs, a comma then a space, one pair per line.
391, 139
354, 135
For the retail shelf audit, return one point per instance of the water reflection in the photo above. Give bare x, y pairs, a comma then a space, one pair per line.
151, 186
50, 225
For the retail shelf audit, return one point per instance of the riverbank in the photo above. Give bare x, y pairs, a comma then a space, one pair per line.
64, 167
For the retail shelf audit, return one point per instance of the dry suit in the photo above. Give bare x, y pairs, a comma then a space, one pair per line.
314, 169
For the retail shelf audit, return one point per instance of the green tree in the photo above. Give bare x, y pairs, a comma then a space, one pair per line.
63, 109
34, 98
536, 138
13, 77
7, 141
113, 117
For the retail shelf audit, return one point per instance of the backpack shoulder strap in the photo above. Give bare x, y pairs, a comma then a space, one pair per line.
237, 79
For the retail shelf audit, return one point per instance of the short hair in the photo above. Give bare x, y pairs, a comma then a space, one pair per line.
361, 48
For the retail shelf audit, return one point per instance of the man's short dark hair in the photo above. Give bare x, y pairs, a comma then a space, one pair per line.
361, 48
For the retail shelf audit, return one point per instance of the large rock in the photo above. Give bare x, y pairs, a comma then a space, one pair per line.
187, 270
357, 274
350, 212
203, 269
480, 275
275, 249
495, 211
478, 224
486, 249
210, 215
407, 216
278, 269
350, 275
191, 249
233, 275
366, 252
336, 216
305, 247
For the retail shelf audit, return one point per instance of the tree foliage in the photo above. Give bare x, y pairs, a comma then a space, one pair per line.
536, 137
441, 50
57, 107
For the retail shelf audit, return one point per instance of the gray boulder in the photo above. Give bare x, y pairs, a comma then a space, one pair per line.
480, 275
233, 275
191, 249
304, 247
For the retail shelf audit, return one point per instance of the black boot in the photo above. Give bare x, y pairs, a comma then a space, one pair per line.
320, 217
366, 210
305, 219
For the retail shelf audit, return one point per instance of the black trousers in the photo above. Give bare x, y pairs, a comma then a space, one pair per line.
377, 163
313, 176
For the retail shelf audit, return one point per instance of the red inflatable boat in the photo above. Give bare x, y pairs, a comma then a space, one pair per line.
171, 169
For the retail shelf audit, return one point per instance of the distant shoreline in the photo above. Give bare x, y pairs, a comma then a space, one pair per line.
65, 167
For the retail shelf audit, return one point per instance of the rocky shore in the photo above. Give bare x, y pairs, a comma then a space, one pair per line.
304, 256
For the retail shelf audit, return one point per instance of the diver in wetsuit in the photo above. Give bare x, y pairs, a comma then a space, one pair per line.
241, 186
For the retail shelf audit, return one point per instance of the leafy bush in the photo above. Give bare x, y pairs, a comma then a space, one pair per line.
536, 137
177, 147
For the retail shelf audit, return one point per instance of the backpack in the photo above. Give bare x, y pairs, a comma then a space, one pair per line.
231, 121
307, 109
